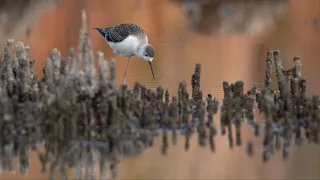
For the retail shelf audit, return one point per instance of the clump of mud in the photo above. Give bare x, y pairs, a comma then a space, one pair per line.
15, 15
233, 16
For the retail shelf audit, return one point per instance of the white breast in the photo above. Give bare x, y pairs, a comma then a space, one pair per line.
128, 47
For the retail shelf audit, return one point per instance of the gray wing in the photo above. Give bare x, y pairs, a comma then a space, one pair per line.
119, 32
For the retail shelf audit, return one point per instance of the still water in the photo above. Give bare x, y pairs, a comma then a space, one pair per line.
228, 57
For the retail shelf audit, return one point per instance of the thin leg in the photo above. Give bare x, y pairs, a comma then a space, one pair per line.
125, 72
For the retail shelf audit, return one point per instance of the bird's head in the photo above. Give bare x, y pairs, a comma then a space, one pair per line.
147, 53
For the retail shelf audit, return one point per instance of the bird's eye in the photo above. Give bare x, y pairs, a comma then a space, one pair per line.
146, 55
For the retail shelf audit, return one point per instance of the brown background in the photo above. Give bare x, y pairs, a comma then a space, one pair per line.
228, 57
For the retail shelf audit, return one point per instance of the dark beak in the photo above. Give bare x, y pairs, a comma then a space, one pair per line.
150, 64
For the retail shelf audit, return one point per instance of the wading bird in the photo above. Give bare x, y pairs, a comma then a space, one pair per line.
129, 40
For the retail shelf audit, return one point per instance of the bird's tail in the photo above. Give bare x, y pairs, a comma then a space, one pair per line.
101, 31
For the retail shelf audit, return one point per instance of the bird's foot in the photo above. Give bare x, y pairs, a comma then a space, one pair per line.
124, 81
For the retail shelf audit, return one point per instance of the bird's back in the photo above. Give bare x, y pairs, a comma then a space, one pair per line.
119, 32
124, 39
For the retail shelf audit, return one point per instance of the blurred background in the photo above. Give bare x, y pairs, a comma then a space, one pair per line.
229, 38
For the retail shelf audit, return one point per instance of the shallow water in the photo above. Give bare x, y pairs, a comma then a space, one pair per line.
229, 57
201, 163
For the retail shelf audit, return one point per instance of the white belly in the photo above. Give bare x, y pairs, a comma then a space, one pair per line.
128, 47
